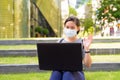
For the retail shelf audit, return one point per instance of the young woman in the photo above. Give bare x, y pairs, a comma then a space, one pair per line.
71, 29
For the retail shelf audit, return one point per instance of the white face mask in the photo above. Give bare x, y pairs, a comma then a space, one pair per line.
69, 32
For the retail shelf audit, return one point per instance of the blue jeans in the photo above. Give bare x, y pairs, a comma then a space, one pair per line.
67, 75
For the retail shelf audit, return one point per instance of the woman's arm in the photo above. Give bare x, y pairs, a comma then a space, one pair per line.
87, 59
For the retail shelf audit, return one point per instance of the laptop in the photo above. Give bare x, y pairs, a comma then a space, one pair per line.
60, 56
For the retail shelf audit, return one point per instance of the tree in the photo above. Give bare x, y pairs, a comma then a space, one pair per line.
88, 21
72, 11
88, 25
109, 11
42, 31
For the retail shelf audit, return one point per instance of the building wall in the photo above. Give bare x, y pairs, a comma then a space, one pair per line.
15, 17
21, 18
6, 19
51, 11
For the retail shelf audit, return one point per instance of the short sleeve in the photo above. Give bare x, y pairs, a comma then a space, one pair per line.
60, 40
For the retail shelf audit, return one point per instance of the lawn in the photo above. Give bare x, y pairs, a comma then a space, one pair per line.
18, 60
102, 75
106, 58
45, 76
28, 46
112, 75
34, 60
17, 47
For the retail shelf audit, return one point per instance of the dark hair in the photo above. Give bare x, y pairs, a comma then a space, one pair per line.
74, 19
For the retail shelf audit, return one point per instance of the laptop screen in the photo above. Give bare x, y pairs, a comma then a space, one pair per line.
60, 56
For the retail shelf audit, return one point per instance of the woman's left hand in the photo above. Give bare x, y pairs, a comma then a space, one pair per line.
87, 42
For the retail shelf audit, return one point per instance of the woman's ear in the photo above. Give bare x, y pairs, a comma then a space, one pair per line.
78, 30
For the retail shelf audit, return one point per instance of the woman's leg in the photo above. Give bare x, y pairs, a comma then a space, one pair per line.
56, 75
79, 75
68, 76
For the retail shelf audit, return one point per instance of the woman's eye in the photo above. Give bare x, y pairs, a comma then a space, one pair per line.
72, 28
67, 27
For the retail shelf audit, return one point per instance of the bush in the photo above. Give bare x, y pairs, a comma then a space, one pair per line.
42, 31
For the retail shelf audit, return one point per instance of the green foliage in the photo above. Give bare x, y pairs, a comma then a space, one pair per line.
109, 10
72, 11
18, 60
41, 30
89, 1
97, 29
38, 29
34, 60
17, 47
98, 75
45, 31
88, 25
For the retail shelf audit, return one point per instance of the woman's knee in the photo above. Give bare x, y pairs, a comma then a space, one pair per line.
67, 73
68, 76
56, 72
56, 75
80, 76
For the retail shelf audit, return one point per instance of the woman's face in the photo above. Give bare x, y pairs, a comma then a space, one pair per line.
71, 25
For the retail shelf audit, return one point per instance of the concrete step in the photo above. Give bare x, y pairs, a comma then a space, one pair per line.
25, 68
103, 51
104, 67
28, 42
19, 68
48, 40
5, 53
32, 53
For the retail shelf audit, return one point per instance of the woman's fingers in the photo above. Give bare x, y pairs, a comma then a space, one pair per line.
87, 41
90, 37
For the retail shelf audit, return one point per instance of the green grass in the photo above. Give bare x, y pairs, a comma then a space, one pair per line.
93, 45
105, 45
18, 60
114, 75
27, 76
102, 75
41, 38
17, 47
106, 58
34, 60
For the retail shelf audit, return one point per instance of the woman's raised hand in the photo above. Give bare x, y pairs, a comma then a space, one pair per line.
87, 41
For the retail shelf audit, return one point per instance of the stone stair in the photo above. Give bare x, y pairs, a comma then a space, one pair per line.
20, 68
33, 53
25, 68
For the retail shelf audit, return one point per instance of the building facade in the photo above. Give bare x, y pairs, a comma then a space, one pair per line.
14, 18
18, 18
